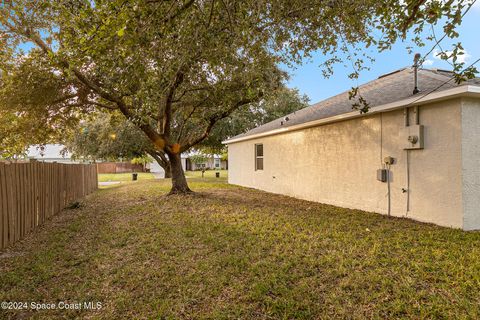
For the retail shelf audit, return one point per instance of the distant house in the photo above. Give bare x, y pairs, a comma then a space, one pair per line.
412, 155
154, 167
50, 153
213, 162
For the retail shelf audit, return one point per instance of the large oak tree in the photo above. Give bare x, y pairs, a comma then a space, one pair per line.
176, 68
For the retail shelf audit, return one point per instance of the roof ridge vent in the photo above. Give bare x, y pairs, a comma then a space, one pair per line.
390, 73
437, 70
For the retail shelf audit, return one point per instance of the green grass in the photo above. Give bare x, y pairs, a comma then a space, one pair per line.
207, 174
234, 253
103, 177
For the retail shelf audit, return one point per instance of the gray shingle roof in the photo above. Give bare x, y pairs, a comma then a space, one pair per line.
388, 88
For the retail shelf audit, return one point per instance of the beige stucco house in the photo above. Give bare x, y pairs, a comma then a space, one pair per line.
412, 155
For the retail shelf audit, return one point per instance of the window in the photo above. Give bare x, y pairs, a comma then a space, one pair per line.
217, 163
259, 157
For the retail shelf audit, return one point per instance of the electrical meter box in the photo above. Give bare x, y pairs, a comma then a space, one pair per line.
382, 175
412, 137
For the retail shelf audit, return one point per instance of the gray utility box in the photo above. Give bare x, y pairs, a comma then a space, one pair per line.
382, 175
412, 137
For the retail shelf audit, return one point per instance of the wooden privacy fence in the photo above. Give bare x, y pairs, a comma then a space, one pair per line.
119, 167
32, 192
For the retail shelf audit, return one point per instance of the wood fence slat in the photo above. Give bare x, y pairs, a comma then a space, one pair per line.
17, 202
50, 191
3, 208
28, 190
12, 207
9, 187
31, 213
35, 194
31, 193
49, 174
21, 201
42, 190
26, 198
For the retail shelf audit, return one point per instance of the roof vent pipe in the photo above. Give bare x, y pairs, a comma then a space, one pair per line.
415, 71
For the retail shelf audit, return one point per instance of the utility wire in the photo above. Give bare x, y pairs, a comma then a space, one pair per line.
439, 46
437, 42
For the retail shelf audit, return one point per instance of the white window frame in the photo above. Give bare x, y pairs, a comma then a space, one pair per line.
259, 157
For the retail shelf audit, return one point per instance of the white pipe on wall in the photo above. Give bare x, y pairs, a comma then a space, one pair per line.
416, 112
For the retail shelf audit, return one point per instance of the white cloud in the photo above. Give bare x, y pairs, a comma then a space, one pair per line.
460, 58
428, 62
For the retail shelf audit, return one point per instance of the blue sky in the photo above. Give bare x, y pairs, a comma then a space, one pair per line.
308, 78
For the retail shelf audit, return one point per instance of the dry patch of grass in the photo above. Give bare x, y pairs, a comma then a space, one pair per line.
230, 252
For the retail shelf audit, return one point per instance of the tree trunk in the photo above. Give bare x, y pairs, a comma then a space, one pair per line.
168, 171
179, 182
163, 163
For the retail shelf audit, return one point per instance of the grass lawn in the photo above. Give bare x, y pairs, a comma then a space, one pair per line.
228, 252
207, 174
104, 177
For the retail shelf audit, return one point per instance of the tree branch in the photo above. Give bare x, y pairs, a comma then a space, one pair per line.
182, 9
102, 105
411, 18
35, 38
158, 139
67, 97
212, 120
159, 157
167, 111
190, 114
178, 99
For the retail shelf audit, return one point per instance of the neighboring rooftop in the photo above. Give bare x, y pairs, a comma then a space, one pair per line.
387, 88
